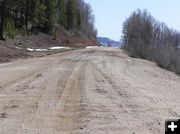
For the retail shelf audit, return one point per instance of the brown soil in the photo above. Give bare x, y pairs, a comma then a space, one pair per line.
8, 53
16, 48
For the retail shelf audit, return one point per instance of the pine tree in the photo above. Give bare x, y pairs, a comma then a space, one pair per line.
62, 12
50, 10
3, 10
71, 14
20, 16
38, 16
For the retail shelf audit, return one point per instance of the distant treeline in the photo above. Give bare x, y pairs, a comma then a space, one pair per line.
24, 16
145, 37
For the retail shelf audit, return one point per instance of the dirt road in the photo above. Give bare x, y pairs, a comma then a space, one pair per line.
89, 91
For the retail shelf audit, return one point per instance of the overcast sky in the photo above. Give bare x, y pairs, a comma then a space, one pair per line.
110, 14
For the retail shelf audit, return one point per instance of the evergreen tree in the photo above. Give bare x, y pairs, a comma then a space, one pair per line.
71, 14
3, 10
20, 16
49, 15
62, 13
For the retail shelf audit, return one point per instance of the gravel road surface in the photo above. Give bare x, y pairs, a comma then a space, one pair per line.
88, 91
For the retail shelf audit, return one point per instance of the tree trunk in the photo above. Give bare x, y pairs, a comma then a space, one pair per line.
15, 19
3, 4
22, 23
27, 15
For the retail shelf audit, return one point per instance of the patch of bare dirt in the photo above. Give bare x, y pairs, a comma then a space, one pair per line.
8, 53
17, 48
63, 38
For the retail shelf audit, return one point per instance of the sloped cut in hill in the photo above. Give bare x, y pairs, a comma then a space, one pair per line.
17, 48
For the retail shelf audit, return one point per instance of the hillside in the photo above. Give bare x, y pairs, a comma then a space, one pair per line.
107, 41
40, 45
39, 25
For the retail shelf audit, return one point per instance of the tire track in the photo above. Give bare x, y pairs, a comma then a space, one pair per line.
49, 95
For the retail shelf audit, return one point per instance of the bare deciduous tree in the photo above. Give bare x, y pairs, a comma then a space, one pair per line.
144, 37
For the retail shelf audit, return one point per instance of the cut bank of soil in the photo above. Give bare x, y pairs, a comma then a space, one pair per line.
17, 48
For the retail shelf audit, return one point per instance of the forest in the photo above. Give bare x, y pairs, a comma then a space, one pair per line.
145, 37
26, 17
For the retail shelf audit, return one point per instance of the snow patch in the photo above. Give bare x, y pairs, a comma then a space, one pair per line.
17, 47
91, 47
40, 50
37, 50
55, 48
30, 49
43, 50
